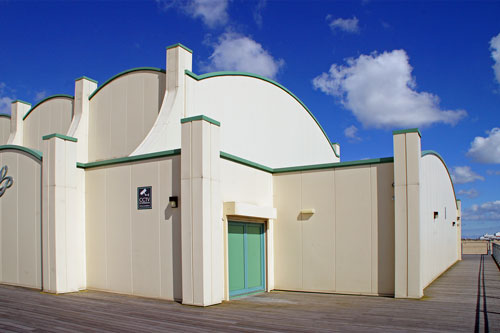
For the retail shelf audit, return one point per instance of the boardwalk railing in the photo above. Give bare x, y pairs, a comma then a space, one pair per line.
496, 252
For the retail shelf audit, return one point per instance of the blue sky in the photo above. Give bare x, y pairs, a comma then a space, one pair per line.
364, 68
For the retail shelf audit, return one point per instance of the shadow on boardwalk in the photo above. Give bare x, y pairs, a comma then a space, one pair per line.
466, 298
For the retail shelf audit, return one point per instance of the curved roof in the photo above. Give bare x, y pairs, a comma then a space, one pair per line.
434, 153
137, 69
45, 100
217, 74
5, 115
35, 153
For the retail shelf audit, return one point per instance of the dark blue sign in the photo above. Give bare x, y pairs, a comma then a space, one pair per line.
144, 197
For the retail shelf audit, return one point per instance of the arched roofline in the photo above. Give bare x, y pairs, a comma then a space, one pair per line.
35, 153
256, 76
45, 100
5, 115
435, 153
137, 69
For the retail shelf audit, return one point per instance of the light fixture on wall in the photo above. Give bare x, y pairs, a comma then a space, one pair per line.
453, 223
173, 201
436, 214
308, 211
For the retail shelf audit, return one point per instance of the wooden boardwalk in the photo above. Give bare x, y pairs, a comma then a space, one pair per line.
466, 298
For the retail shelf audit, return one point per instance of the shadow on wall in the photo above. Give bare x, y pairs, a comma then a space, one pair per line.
385, 229
174, 215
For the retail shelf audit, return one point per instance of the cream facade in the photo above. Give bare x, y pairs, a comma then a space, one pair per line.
200, 188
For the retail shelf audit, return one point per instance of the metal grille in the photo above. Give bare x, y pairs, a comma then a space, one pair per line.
496, 252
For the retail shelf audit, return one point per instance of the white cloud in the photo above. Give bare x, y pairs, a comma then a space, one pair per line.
472, 193
40, 95
493, 172
347, 25
351, 132
487, 149
464, 174
235, 52
380, 92
488, 211
495, 54
257, 13
212, 12
5, 101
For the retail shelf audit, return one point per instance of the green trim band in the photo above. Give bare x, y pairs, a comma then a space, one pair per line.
19, 101
60, 136
335, 165
137, 69
261, 167
334, 151
245, 162
409, 130
35, 153
128, 159
87, 78
179, 44
435, 153
200, 117
45, 100
5, 115
216, 74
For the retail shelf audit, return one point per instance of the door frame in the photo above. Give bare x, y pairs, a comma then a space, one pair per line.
245, 219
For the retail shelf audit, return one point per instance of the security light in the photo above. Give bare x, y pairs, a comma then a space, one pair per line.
436, 214
173, 201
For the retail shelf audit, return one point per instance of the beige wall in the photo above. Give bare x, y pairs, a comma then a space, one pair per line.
123, 112
51, 116
129, 250
348, 244
245, 184
4, 129
250, 111
438, 236
20, 221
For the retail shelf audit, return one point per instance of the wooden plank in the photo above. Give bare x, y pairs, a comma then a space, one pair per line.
469, 290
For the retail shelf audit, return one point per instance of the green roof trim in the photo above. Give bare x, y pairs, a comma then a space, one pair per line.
335, 165
200, 117
129, 159
216, 74
60, 136
19, 101
45, 100
245, 162
179, 44
261, 167
334, 151
435, 153
409, 130
137, 69
35, 153
86, 78
5, 115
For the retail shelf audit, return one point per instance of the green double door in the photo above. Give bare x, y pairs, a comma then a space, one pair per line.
246, 251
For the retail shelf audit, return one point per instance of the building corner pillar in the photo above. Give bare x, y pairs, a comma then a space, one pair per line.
201, 213
407, 266
63, 245
18, 110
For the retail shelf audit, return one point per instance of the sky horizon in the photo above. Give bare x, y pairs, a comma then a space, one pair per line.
364, 68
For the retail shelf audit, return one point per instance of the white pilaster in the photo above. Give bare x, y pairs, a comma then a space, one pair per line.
18, 110
407, 155
79, 127
63, 248
201, 211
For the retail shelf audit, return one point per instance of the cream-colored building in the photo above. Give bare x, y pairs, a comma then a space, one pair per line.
199, 188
